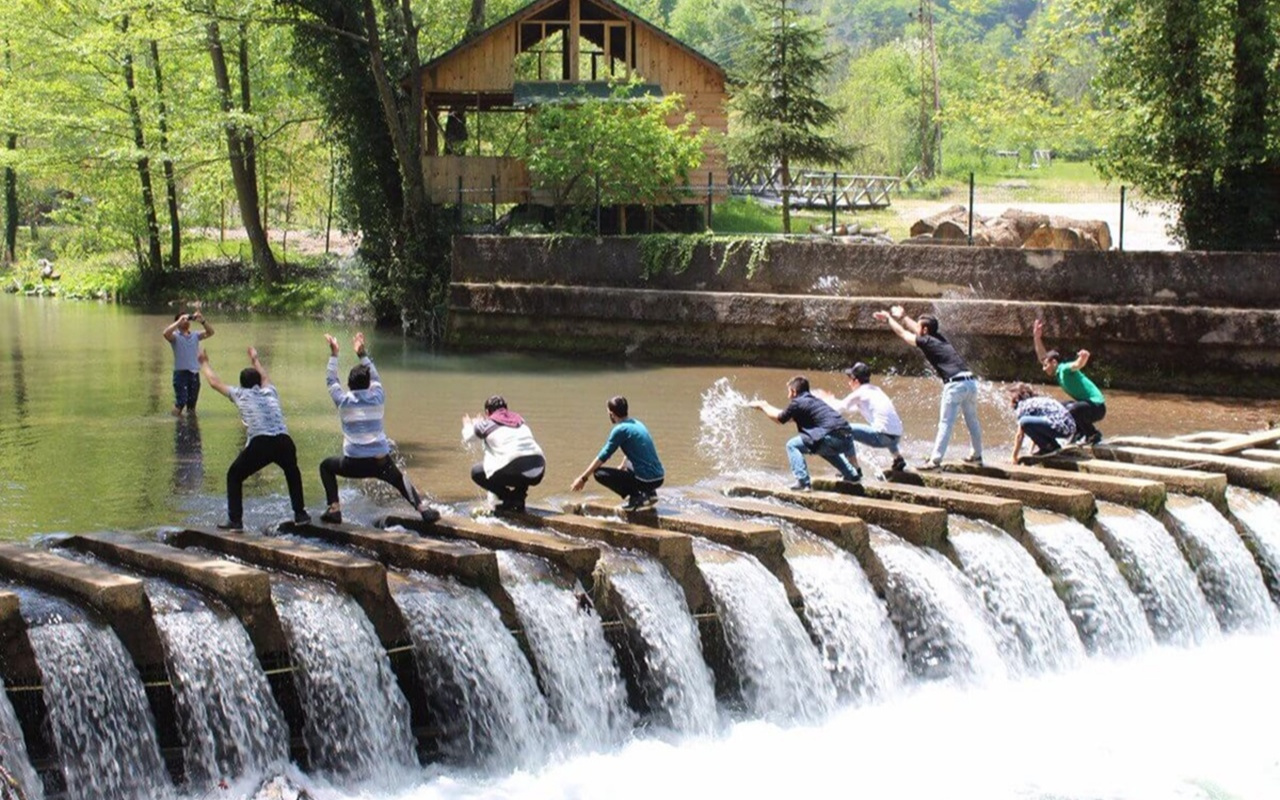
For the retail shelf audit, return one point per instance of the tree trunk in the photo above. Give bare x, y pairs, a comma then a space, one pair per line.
242, 163
786, 194
154, 261
10, 206
170, 182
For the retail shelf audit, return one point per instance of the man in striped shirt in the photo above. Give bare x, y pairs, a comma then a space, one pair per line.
366, 451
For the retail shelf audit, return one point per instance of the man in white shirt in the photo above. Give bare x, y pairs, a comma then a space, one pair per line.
883, 428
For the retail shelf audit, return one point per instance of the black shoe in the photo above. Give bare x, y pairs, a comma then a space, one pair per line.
509, 508
332, 517
800, 486
231, 525
429, 514
649, 499
302, 518
1093, 438
899, 464
973, 459
855, 478
634, 503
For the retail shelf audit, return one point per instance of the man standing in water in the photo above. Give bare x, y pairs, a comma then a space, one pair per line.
822, 432
186, 365
1087, 405
959, 384
366, 451
269, 441
883, 427
641, 472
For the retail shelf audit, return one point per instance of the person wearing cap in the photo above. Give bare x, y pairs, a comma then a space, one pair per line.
883, 426
1088, 405
513, 461
822, 432
641, 472
186, 364
959, 384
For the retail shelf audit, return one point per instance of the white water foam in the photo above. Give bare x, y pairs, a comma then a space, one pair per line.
726, 435
1260, 516
13, 751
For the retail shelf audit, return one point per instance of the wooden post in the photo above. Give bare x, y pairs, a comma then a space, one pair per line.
597, 205
833, 203
709, 197
1120, 240
493, 201
459, 209
971, 208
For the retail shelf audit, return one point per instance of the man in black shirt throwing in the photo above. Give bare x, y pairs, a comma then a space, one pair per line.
823, 432
959, 384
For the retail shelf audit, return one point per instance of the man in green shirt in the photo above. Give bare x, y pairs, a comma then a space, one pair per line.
1087, 405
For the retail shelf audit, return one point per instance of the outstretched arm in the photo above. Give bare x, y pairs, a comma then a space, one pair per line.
772, 412
210, 375
1037, 334
898, 327
208, 329
172, 329
331, 371
262, 371
1017, 445
1082, 358
581, 480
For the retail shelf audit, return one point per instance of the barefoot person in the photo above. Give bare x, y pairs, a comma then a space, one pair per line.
641, 472
513, 461
822, 432
186, 366
1087, 406
366, 451
883, 427
1042, 419
268, 443
959, 384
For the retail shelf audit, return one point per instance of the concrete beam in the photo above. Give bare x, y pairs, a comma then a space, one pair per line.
758, 539
1212, 486
917, 524
1004, 513
1072, 501
1239, 471
1230, 445
1266, 456
1149, 495
847, 533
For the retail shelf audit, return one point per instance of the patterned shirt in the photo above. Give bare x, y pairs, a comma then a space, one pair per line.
1050, 410
360, 412
259, 409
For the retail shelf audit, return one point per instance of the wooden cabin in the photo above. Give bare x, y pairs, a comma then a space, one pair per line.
548, 50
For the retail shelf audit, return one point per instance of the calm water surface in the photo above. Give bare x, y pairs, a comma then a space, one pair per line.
87, 442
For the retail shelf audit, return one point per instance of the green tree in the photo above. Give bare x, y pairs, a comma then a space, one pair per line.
782, 116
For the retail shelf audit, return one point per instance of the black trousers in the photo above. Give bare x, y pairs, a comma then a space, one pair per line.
1086, 414
511, 483
624, 482
383, 468
257, 454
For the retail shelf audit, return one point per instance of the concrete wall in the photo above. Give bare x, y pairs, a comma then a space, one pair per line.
1170, 321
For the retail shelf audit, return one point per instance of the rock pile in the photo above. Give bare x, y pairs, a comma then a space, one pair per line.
1013, 228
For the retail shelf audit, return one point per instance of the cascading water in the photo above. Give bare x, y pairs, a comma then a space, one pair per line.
100, 722
779, 671
1150, 561
1105, 610
860, 648
1227, 572
231, 725
944, 628
679, 688
357, 720
725, 432
579, 675
13, 751
475, 674
1260, 516
1017, 594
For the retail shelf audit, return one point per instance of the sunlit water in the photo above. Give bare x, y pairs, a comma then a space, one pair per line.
1260, 516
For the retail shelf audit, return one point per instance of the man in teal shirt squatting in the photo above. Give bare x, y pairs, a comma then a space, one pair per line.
1087, 404
641, 473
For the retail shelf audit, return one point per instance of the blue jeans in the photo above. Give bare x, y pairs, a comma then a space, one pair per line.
186, 389
869, 436
833, 448
957, 397
1040, 431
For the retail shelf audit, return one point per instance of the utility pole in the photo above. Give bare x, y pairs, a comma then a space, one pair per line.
930, 96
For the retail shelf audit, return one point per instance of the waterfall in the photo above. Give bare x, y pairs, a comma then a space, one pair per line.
860, 648
1259, 516
675, 679
99, 718
13, 750
1226, 570
725, 433
1017, 594
1155, 569
1105, 610
357, 720
475, 674
944, 628
231, 725
778, 669
581, 680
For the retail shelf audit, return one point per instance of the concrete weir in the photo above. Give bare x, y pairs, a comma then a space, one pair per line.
848, 533
1262, 477
1004, 513
1144, 493
920, 525
1073, 502
1212, 486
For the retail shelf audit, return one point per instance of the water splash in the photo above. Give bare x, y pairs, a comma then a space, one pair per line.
1017, 594
13, 750
1104, 609
579, 675
944, 628
860, 648
231, 725
677, 684
778, 669
1226, 571
1155, 569
1260, 516
357, 720
98, 714
725, 433
475, 675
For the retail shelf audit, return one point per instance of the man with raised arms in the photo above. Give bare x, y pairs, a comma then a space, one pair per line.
186, 365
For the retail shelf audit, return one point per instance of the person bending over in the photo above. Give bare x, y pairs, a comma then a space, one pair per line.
883, 428
186, 366
513, 461
268, 443
366, 451
1042, 419
641, 472
1088, 406
822, 432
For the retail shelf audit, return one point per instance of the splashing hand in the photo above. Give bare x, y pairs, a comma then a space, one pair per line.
333, 344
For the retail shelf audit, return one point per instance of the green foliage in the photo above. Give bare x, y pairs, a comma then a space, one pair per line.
669, 252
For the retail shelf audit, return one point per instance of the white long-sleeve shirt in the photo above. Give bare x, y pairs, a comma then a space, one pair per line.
875, 407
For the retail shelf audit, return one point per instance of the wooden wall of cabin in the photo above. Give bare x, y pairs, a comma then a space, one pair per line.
486, 66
